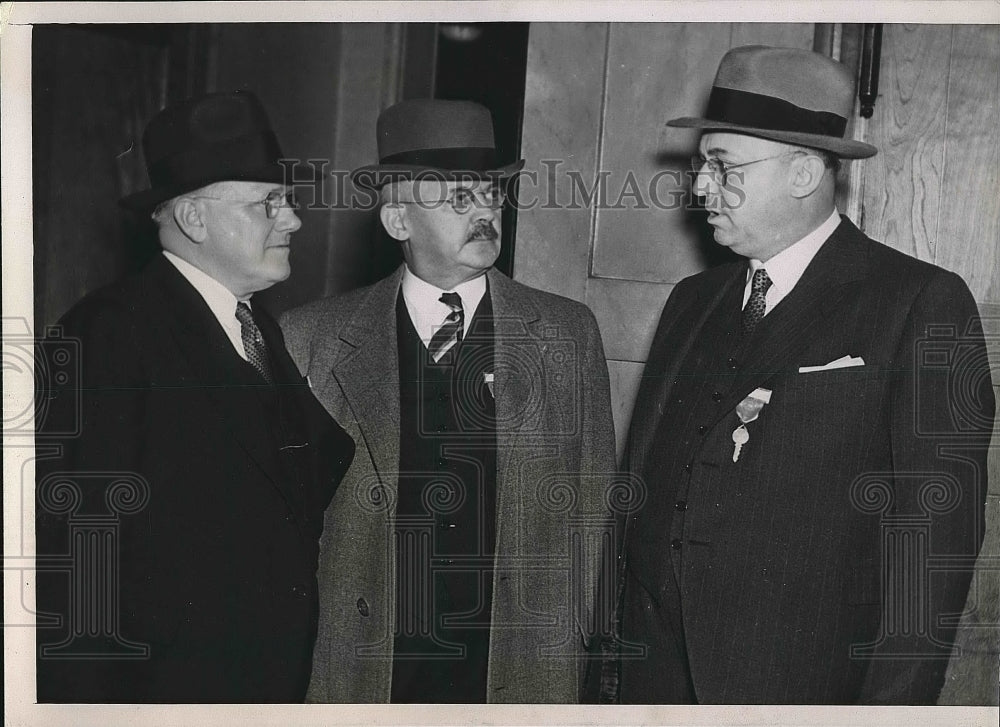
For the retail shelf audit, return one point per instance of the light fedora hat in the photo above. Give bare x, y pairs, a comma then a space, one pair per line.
783, 94
436, 139
216, 137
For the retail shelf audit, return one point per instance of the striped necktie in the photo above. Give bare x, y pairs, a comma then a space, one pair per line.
253, 342
756, 305
450, 332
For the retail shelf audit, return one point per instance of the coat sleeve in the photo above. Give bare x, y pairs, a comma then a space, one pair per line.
941, 416
90, 433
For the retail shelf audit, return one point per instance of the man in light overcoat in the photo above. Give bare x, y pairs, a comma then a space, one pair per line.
460, 557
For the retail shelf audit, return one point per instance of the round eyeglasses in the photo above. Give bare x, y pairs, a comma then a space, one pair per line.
464, 199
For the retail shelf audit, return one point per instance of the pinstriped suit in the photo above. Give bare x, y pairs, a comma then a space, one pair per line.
779, 558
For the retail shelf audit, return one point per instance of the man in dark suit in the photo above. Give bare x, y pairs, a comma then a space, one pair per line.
460, 555
811, 427
182, 477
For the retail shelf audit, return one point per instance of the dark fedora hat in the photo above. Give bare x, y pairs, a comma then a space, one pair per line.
783, 94
436, 139
214, 138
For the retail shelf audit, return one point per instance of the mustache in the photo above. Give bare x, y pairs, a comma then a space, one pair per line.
484, 230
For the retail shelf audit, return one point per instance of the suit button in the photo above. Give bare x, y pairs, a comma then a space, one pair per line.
675, 544
363, 607
442, 462
702, 429
290, 517
300, 591
442, 428
733, 363
680, 506
716, 396
687, 467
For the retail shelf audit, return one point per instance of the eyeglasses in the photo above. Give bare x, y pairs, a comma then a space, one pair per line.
719, 170
463, 199
273, 203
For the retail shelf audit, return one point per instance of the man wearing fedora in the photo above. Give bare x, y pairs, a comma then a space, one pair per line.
197, 433
815, 481
460, 554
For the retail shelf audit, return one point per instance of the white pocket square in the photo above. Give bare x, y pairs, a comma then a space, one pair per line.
841, 363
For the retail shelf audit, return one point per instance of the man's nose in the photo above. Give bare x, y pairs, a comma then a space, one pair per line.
703, 184
483, 210
288, 220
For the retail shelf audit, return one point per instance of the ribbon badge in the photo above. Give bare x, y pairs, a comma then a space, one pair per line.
748, 410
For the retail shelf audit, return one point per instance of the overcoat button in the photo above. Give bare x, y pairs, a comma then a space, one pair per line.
675, 544
363, 607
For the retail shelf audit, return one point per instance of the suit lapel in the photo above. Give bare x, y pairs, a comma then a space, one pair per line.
362, 364
792, 325
213, 365
667, 354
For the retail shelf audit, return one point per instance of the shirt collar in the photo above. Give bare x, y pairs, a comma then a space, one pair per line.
216, 295
427, 311
785, 268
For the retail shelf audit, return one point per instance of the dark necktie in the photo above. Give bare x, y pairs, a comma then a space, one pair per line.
253, 342
756, 305
450, 331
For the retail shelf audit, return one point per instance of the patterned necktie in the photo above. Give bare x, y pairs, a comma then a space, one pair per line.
253, 342
756, 305
450, 331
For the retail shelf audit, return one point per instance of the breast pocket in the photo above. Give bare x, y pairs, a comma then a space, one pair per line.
831, 409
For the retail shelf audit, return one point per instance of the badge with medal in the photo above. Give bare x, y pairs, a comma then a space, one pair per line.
748, 410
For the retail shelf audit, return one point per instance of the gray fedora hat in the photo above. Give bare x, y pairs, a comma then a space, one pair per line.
434, 139
783, 94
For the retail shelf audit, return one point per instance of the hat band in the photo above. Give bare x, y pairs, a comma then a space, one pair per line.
468, 158
774, 114
225, 159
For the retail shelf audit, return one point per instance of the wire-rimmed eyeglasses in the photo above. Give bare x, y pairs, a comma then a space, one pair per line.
273, 203
464, 199
719, 170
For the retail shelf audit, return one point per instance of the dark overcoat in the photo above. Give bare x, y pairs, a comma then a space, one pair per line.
210, 566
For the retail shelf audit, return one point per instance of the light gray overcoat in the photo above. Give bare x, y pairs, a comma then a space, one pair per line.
555, 460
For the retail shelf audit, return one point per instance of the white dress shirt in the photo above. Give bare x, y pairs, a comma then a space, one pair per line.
785, 268
221, 302
426, 310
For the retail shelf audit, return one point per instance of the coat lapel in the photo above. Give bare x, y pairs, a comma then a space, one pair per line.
793, 324
213, 365
360, 375
519, 366
667, 353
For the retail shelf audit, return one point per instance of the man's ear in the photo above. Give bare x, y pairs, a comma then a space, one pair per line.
393, 218
807, 172
189, 219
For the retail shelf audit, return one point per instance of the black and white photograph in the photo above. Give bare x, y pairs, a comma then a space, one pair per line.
501, 363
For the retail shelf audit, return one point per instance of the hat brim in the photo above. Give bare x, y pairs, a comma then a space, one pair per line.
146, 200
844, 148
376, 176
